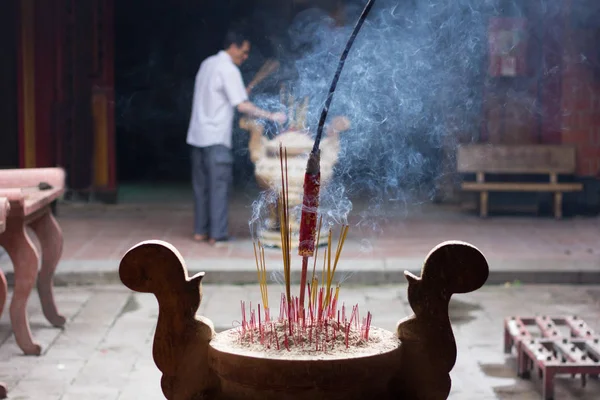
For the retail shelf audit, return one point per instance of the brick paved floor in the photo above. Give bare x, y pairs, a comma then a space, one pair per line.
105, 350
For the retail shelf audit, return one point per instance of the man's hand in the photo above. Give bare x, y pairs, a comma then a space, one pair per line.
255, 112
279, 117
339, 124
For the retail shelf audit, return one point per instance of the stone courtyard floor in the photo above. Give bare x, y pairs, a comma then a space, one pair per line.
105, 350
378, 249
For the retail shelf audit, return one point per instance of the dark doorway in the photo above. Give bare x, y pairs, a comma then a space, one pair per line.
9, 132
159, 47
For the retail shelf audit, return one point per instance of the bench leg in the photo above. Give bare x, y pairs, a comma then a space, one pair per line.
3, 292
522, 363
25, 258
548, 385
508, 342
558, 196
50, 235
483, 204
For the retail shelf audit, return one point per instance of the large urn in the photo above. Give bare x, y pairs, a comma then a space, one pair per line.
298, 143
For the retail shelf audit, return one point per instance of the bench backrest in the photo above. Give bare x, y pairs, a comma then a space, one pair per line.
520, 159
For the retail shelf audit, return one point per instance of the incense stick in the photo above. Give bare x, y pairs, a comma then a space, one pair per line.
338, 72
330, 270
284, 225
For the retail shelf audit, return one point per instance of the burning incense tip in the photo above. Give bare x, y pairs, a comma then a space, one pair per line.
310, 205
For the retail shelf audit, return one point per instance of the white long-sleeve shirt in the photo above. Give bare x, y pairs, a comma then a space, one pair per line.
218, 89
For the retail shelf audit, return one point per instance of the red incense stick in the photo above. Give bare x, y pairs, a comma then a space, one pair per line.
312, 177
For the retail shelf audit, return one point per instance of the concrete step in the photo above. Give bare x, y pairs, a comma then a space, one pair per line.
237, 271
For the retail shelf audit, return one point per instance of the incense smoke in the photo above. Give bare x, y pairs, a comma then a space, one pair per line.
411, 81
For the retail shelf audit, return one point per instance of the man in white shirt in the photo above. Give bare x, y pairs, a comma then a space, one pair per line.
218, 91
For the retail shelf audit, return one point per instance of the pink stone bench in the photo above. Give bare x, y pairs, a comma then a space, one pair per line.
30, 206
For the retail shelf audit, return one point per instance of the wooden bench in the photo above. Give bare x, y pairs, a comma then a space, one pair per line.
31, 193
550, 160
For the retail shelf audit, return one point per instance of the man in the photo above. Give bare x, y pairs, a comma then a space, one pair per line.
218, 91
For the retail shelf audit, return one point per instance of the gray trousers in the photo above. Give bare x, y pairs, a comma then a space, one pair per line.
211, 179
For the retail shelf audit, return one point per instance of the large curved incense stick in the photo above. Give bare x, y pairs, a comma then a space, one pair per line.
336, 77
312, 177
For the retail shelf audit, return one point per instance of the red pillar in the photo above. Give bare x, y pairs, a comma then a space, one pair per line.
36, 56
66, 91
103, 102
26, 83
44, 76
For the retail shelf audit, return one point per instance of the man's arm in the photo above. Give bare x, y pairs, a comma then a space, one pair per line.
236, 93
253, 111
248, 108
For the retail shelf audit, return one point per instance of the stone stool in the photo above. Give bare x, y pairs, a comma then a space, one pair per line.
31, 193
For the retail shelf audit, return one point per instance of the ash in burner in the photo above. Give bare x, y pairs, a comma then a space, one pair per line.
314, 330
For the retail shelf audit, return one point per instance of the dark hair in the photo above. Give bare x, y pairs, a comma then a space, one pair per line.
237, 37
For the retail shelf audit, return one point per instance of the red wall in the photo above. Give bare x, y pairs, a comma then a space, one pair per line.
568, 91
580, 105
551, 79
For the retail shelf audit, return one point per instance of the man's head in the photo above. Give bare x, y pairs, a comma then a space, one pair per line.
237, 45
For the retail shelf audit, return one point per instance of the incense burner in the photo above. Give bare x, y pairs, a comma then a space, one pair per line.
257, 376
198, 363
298, 143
